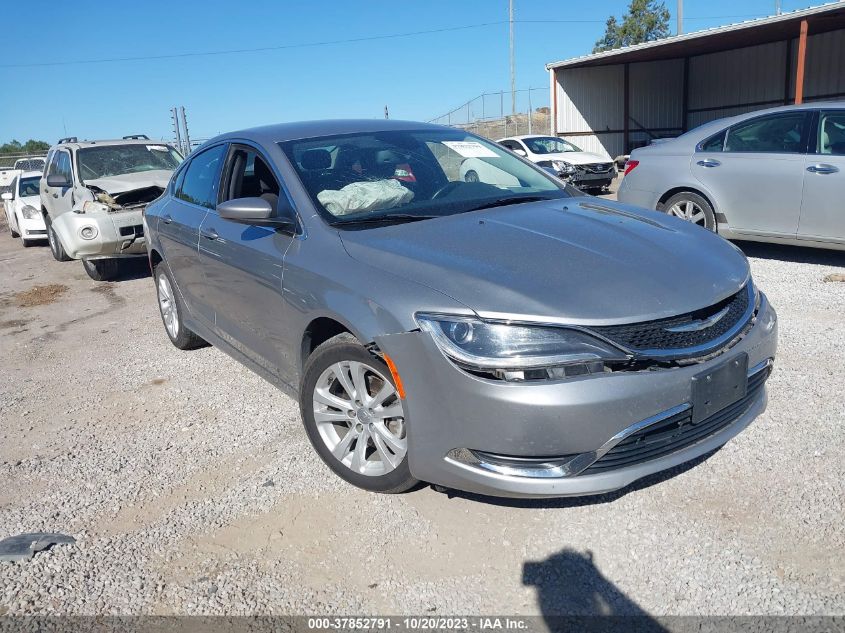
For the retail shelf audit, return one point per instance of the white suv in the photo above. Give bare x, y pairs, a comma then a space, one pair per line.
93, 194
21, 206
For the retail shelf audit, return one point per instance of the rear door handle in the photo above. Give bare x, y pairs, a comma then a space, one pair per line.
166, 219
209, 234
823, 168
709, 162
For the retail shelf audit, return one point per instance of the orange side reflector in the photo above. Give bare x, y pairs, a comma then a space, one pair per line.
395, 373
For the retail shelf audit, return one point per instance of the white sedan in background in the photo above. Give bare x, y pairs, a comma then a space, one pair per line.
585, 170
22, 206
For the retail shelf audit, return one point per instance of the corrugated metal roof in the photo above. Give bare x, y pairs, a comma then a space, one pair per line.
651, 50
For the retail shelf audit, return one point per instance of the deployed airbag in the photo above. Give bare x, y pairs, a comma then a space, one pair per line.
362, 197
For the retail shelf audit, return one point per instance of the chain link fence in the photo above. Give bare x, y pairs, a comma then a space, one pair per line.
489, 114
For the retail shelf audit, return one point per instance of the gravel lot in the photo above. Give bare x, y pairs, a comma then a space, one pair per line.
191, 488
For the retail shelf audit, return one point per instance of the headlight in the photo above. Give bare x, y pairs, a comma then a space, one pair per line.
93, 207
30, 212
514, 352
563, 166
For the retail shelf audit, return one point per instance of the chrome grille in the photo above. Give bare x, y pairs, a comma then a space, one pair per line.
688, 331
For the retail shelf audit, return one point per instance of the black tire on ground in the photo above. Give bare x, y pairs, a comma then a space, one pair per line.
102, 269
27, 243
184, 338
707, 220
13, 231
471, 176
345, 347
56, 247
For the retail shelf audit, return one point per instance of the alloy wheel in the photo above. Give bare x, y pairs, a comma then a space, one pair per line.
360, 418
689, 211
167, 305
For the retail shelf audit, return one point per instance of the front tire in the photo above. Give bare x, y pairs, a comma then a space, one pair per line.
172, 310
354, 417
56, 247
471, 176
693, 208
101, 269
13, 231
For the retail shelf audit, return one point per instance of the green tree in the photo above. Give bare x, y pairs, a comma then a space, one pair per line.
645, 21
30, 147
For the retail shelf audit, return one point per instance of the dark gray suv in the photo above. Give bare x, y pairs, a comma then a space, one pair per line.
506, 336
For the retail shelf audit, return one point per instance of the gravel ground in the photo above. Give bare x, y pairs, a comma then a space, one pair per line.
191, 488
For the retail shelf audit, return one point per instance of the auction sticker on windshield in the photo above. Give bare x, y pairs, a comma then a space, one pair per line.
470, 149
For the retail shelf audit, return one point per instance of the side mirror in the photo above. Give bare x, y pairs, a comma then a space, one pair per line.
520, 152
57, 181
258, 212
7, 196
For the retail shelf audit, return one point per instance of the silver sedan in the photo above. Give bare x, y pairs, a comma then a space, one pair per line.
508, 336
775, 175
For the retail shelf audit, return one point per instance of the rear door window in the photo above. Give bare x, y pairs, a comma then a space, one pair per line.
831, 140
777, 133
200, 184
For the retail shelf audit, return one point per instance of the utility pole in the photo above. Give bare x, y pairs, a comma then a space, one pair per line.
680, 17
386, 113
777, 7
176, 133
513, 67
185, 128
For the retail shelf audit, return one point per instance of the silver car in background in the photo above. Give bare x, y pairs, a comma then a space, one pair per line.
774, 175
509, 339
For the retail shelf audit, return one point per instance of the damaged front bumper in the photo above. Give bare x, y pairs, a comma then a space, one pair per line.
100, 234
519, 439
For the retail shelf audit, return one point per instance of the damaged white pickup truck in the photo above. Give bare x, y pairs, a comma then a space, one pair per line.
93, 194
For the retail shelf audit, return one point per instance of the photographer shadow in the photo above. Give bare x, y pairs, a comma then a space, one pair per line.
573, 595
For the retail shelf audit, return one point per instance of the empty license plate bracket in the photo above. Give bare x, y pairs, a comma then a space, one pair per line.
719, 387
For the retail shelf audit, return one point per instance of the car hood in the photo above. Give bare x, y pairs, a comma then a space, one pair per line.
578, 261
577, 158
130, 182
33, 201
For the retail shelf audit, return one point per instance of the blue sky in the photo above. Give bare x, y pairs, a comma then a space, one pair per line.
418, 77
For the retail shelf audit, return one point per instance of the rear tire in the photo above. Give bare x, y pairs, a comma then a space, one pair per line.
693, 208
361, 437
101, 269
56, 247
172, 312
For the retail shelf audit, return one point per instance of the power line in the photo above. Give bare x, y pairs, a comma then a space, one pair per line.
262, 49
371, 38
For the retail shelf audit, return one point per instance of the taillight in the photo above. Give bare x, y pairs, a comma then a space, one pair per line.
629, 166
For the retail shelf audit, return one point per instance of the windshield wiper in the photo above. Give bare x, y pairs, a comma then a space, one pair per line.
503, 202
389, 218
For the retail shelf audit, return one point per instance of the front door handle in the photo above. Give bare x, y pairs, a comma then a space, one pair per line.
822, 168
209, 234
709, 162
166, 219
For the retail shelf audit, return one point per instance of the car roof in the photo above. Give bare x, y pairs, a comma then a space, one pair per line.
522, 136
281, 132
106, 142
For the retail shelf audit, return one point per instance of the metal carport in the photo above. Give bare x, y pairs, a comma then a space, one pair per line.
621, 99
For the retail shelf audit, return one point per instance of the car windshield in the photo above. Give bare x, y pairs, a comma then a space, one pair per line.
415, 174
549, 145
114, 160
29, 186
